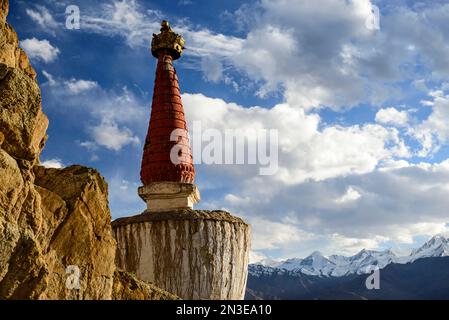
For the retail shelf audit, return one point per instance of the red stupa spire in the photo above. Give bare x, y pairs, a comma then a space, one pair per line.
167, 139
167, 115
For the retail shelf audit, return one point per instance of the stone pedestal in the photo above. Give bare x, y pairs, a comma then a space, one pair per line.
169, 196
194, 254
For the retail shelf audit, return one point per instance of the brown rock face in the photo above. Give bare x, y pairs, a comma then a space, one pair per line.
4, 7
128, 287
10, 54
75, 210
44, 230
22, 121
49, 219
55, 225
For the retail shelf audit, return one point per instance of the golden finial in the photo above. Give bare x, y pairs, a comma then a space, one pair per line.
169, 41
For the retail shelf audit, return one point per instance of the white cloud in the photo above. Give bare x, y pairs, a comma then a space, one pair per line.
350, 196
89, 145
349, 246
129, 20
73, 86
49, 77
40, 49
212, 69
77, 86
437, 122
396, 206
392, 116
305, 150
337, 187
53, 163
432, 133
288, 47
119, 106
314, 65
273, 235
114, 112
393, 164
42, 17
108, 134
255, 256
125, 19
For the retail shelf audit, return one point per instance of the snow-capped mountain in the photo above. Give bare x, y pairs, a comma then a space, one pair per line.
363, 262
438, 246
315, 264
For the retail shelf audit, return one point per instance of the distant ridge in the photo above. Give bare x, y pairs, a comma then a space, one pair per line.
361, 263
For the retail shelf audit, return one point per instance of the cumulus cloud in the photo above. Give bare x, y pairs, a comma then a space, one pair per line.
272, 235
432, 133
115, 112
392, 116
322, 53
439, 117
317, 54
76, 86
40, 49
53, 163
113, 137
350, 196
339, 188
305, 150
289, 48
394, 206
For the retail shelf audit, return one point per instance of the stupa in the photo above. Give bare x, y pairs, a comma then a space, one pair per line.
167, 185
196, 254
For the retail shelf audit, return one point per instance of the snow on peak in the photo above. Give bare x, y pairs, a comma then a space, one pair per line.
437, 246
363, 262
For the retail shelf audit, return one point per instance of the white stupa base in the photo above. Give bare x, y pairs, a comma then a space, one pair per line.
169, 196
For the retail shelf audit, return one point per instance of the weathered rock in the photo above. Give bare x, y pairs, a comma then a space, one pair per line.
4, 7
8, 45
10, 54
196, 254
22, 126
76, 230
22, 121
23, 63
53, 231
128, 287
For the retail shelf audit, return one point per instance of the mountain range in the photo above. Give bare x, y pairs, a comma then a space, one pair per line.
363, 262
423, 274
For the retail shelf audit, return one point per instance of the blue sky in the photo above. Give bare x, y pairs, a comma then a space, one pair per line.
361, 112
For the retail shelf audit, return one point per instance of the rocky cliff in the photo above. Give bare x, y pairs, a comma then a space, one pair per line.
55, 225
